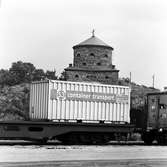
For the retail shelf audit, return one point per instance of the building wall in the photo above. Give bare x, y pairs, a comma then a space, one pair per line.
93, 57
109, 77
92, 64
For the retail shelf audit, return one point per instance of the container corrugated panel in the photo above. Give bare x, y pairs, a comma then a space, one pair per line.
89, 102
39, 100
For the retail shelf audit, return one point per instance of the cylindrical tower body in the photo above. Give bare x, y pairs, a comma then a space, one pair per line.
92, 63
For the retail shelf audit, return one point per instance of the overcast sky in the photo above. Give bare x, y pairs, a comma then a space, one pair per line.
43, 32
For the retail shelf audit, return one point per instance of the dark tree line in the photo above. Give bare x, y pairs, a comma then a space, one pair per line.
23, 72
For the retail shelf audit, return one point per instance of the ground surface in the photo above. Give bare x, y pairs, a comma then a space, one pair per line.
74, 156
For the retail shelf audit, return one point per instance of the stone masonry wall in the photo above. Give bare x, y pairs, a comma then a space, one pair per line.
93, 57
92, 64
110, 77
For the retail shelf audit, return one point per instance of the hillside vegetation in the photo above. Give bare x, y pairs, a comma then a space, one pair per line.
14, 89
14, 102
138, 92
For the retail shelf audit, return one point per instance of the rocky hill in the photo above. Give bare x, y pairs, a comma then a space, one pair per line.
138, 92
14, 89
14, 102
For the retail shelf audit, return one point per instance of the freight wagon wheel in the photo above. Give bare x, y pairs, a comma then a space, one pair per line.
73, 139
117, 137
161, 140
70, 138
148, 138
43, 141
95, 139
79, 139
100, 139
85, 139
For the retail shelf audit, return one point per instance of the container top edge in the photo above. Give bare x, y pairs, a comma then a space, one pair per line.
80, 83
42, 81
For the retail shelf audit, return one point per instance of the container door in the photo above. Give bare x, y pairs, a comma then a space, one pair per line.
163, 111
152, 111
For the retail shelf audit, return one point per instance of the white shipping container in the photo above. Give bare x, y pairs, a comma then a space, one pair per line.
71, 101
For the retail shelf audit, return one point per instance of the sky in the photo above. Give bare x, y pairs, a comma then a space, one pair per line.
43, 32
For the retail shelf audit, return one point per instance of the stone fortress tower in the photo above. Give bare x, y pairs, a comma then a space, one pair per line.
92, 62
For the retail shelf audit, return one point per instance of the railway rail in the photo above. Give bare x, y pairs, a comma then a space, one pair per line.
57, 143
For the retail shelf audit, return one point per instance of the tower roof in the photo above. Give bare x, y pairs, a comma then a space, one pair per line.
93, 41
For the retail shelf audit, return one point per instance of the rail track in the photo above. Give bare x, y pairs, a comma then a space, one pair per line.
56, 143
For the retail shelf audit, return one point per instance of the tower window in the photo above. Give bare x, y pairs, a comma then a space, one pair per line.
106, 77
92, 55
84, 64
76, 76
105, 56
78, 55
99, 64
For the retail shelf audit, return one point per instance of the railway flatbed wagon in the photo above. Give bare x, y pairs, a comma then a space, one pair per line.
68, 133
73, 112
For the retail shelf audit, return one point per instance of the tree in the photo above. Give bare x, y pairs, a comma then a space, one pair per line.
63, 76
38, 75
7, 78
51, 75
22, 71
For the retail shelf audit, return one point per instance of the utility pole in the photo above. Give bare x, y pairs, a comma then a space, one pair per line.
153, 80
130, 77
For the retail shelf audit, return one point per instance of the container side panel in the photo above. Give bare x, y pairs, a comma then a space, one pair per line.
35, 105
123, 112
75, 109
114, 112
95, 111
91, 111
39, 100
107, 113
79, 110
64, 100
31, 108
118, 111
87, 110
99, 111
51, 101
